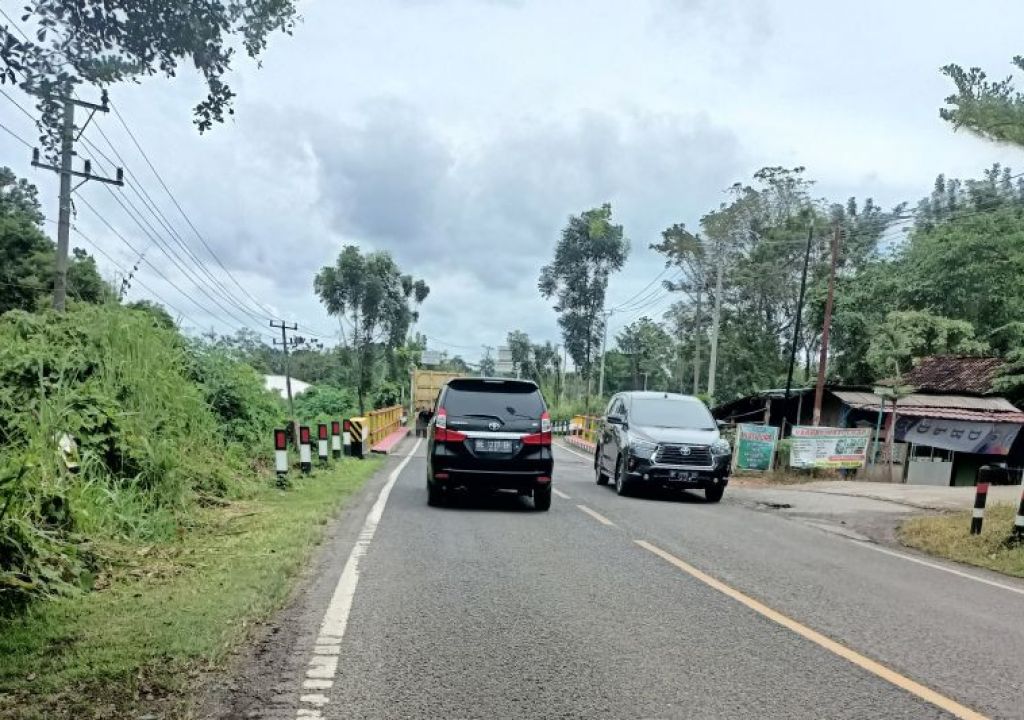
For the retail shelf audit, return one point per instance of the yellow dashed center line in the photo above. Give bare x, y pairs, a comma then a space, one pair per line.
891, 676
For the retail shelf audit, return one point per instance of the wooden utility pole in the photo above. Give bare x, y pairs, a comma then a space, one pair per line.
799, 313
826, 326
716, 322
697, 320
604, 345
66, 171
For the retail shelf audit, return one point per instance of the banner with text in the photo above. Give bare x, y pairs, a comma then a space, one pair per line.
825, 447
755, 446
958, 435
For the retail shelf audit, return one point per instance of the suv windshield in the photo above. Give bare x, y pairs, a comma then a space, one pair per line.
498, 399
671, 412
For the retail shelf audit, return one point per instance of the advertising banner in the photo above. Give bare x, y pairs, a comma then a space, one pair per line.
755, 446
957, 435
825, 447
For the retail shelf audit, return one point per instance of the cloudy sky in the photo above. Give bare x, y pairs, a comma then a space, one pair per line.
460, 135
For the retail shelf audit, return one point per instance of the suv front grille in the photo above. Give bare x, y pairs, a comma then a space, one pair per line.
689, 455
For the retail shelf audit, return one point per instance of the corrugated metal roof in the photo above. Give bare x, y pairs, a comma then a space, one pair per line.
952, 374
952, 407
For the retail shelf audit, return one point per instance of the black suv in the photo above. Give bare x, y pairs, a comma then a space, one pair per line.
661, 439
492, 434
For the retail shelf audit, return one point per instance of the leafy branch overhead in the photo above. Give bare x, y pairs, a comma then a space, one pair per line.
103, 42
993, 109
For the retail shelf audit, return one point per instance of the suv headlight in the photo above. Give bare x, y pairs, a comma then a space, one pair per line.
720, 447
642, 449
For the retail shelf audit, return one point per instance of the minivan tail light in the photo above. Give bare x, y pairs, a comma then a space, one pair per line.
544, 436
441, 432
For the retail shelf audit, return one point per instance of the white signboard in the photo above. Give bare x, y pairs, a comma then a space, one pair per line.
430, 357
825, 447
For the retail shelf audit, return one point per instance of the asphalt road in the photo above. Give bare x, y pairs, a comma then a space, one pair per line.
649, 607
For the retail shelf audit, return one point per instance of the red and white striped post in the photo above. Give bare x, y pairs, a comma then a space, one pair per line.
335, 439
281, 453
1018, 522
346, 438
321, 445
305, 451
978, 514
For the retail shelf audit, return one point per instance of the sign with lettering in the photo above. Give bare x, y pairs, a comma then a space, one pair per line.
755, 446
958, 435
825, 447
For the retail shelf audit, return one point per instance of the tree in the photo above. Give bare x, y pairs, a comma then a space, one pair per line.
27, 255
103, 42
906, 335
649, 350
520, 349
371, 295
590, 249
685, 251
992, 109
487, 367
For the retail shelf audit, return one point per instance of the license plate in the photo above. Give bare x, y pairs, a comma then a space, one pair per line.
681, 475
494, 446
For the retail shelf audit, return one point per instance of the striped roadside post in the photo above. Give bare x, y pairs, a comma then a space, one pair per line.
321, 445
358, 426
305, 451
346, 437
335, 439
1018, 522
281, 453
978, 514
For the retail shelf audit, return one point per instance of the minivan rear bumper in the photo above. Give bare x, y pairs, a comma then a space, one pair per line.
452, 470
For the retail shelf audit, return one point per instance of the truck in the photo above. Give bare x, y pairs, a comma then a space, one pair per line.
424, 388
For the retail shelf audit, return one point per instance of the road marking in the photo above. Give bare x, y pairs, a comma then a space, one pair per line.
596, 515
560, 494
588, 458
943, 568
323, 666
891, 676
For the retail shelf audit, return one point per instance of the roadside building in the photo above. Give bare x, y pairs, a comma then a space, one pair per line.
942, 419
278, 383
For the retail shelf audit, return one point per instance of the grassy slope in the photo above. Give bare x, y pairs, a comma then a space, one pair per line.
949, 536
165, 612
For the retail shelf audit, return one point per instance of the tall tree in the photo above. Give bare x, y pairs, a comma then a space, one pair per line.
993, 109
590, 249
375, 300
649, 349
685, 251
101, 42
520, 349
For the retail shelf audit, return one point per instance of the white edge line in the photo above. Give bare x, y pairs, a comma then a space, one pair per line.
596, 515
937, 566
335, 618
588, 458
560, 494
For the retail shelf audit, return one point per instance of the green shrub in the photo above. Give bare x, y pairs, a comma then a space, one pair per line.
322, 403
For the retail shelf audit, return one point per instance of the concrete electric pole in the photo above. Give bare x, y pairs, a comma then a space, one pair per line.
826, 327
66, 171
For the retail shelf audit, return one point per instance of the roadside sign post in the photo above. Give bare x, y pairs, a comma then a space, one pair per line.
755, 446
829, 448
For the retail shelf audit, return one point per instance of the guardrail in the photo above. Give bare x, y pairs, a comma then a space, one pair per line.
585, 427
383, 422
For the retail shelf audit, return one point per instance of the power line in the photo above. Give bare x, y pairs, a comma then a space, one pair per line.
653, 280
18, 105
16, 136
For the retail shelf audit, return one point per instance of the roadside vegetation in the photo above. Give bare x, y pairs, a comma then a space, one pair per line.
948, 536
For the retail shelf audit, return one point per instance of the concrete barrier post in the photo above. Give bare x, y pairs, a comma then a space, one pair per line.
305, 451
346, 437
360, 430
1018, 522
978, 514
281, 454
321, 444
335, 439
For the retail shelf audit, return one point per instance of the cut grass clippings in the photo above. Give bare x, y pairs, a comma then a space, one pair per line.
163, 614
948, 536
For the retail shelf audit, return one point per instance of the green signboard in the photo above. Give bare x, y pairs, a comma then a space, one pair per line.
755, 446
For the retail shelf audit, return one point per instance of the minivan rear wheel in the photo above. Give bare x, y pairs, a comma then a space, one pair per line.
435, 494
542, 498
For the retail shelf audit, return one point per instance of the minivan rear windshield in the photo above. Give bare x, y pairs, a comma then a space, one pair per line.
501, 400
669, 412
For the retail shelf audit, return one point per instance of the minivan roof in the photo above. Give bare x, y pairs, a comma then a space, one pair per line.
641, 394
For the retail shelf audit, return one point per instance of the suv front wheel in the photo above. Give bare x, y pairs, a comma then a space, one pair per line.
599, 473
622, 483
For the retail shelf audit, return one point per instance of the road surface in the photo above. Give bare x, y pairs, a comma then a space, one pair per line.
609, 607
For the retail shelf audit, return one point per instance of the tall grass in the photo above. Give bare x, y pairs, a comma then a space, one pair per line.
155, 422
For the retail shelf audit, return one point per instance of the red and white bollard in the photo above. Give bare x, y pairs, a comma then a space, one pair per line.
281, 453
978, 514
321, 445
1018, 522
346, 437
335, 439
305, 451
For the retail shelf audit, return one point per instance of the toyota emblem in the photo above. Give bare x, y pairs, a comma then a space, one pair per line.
494, 426
684, 450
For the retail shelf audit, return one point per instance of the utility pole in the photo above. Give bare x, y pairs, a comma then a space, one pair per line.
67, 171
716, 321
819, 391
697, 321
799, 313
604, 343
283, 342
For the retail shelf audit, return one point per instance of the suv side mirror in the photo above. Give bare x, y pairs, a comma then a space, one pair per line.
616, 420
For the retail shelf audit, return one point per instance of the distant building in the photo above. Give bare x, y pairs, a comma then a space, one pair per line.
277, 383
